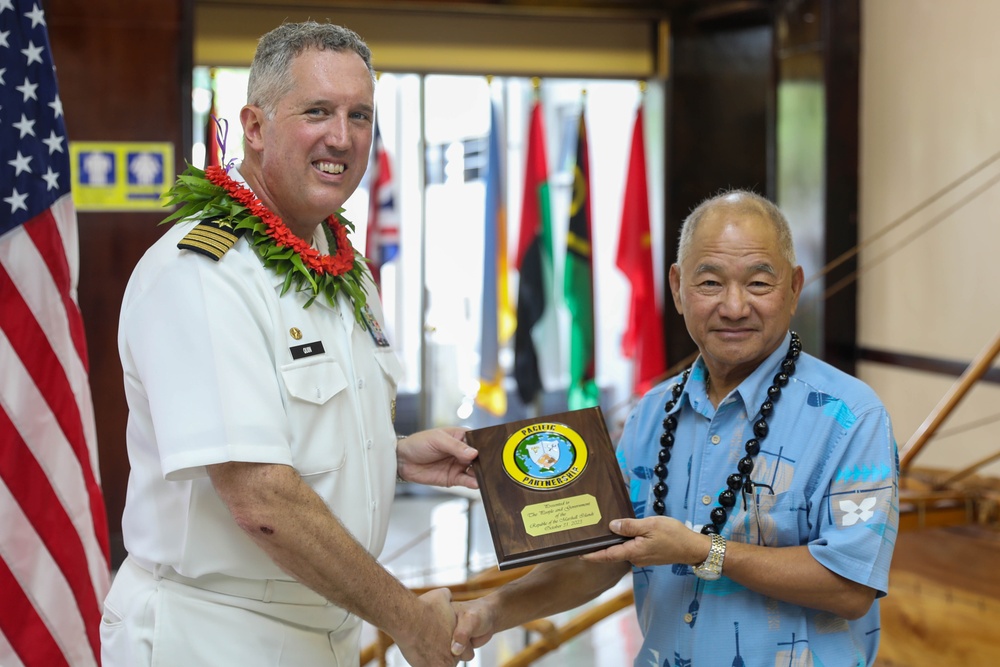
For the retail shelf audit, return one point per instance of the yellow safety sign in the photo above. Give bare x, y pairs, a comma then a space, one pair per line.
120, 175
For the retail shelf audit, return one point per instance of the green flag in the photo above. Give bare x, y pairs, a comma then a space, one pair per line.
578, 285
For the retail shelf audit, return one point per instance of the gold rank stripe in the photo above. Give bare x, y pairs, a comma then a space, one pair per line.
207, 240
209, 234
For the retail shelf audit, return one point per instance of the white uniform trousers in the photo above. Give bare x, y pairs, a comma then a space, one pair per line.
154, 620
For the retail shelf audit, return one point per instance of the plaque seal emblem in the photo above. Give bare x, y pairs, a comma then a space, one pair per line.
545, 456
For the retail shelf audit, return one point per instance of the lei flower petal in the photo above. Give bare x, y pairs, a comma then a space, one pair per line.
212, 195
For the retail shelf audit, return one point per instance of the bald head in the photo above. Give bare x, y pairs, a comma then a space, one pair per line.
738, 203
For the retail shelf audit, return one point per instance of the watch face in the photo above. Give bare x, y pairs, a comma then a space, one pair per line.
705, 573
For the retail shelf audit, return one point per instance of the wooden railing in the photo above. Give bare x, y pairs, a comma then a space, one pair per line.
553, 636
476, 586
929, 500
958, 391
550, 634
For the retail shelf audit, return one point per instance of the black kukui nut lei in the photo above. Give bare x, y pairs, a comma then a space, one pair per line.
738, 480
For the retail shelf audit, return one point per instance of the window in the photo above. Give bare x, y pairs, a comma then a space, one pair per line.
436, 129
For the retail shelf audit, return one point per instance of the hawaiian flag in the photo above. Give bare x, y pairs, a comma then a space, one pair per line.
383, 222
54, 570
643, 338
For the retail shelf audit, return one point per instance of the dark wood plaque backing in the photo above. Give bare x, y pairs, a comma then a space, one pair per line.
504, 499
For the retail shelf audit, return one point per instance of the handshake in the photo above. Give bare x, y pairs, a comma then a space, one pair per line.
445, 632
441, 632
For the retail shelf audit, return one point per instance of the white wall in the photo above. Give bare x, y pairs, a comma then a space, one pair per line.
930, 115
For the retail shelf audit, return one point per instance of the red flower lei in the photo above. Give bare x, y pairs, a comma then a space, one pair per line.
334, 264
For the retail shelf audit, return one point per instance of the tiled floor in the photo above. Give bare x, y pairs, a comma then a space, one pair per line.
437, 538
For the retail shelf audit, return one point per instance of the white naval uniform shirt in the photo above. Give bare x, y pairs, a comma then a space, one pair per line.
206, 349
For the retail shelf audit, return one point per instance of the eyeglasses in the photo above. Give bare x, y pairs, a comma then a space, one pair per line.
751, 488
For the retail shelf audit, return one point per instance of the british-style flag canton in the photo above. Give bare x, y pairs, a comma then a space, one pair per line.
33, 149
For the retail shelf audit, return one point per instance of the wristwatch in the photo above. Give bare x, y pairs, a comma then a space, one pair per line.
711, 569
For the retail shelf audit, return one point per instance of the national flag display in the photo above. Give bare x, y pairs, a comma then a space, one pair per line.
534, 258
213, 128
54, 570
382, 239
497, 317
643, 338
578, 283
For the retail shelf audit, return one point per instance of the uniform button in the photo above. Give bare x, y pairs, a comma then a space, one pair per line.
361, 383
716, 439
319, 393
688, 618
368, 443
706, 500
374, 505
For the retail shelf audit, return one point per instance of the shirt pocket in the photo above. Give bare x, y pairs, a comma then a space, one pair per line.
313, 381
316, 404
772, 519
392, 374
391, 368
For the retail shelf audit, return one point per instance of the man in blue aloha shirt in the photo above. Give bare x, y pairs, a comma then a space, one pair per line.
764, 481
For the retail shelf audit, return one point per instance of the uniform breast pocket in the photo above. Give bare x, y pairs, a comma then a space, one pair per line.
391, 376
391, 369
317, 404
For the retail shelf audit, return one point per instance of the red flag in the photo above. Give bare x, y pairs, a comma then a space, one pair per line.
643, 338
382, 239
213, 149
534, 259
54, 570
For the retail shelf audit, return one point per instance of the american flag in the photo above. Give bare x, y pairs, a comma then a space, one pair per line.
54, 568
382, 240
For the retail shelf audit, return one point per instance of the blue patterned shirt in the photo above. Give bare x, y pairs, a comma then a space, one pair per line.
826, 476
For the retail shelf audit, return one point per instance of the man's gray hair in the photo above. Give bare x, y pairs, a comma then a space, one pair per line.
741, 202
269, 80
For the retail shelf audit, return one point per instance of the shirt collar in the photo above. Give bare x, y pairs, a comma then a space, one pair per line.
752, 391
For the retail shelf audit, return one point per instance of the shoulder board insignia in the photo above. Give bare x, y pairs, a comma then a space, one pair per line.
211, 239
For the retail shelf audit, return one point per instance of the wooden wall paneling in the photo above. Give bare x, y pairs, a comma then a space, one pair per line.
842, 66
124, 72
605, 44
720, 123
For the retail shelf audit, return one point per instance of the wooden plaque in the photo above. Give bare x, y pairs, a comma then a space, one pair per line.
550, 486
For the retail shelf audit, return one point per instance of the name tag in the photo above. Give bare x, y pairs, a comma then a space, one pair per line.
307, 350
